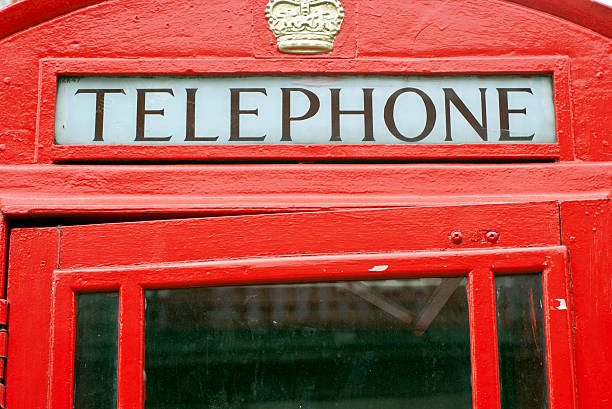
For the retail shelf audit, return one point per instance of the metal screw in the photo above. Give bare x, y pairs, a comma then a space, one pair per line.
456, 237
492, 237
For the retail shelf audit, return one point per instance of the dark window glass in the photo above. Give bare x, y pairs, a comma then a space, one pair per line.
355, 345
521, 339
95, 365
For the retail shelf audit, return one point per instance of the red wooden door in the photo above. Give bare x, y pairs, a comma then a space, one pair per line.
488, 245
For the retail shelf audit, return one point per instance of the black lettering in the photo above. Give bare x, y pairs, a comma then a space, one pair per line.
367, 114
191, 119
315, 104
504, 115
480, 128
100, 93
430, 120
235, 113
141, 112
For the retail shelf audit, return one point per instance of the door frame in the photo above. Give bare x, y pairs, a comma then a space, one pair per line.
417, 255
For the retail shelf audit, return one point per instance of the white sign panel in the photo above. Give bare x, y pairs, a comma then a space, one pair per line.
345, 109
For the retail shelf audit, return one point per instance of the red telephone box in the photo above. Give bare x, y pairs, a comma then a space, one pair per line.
306, 204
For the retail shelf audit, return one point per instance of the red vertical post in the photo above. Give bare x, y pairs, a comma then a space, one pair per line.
130, 393
34, 257
587, 232
3, 254
559, 352
3, 308
483, 339
62, 342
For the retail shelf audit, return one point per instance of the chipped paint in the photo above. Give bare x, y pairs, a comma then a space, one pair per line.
562, 304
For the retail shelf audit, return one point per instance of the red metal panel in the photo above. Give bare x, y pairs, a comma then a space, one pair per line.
309, 233
119, 192
3, 253
34, 256
28, 13
587, 232
335, 153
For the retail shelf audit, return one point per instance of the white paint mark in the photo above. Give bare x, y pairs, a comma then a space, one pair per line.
606, 2
562, 304
379, 268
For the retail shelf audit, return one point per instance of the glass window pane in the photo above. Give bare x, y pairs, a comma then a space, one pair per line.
355, 345
95, 365
521, 339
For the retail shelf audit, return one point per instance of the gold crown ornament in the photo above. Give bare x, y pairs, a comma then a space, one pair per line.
305, 26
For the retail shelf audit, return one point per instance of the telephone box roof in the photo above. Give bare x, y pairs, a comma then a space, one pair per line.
27, 13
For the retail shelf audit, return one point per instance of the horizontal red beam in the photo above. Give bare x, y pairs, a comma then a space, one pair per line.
379, 230
310, 268
186, 190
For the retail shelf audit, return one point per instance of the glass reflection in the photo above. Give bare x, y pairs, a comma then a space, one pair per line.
378, 344
96, 349
521, 341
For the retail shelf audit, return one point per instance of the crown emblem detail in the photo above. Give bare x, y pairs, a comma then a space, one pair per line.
305, 26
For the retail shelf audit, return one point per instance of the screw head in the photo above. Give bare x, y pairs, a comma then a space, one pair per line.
492, 237
456, 237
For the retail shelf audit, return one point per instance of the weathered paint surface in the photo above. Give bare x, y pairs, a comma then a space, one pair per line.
587, 232
188, 190
260, 249
583, 12
31, 315
165, 37
396, 229
3, 253
438, 29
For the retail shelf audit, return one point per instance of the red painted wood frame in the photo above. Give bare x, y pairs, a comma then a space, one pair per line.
49, 265
556, 66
